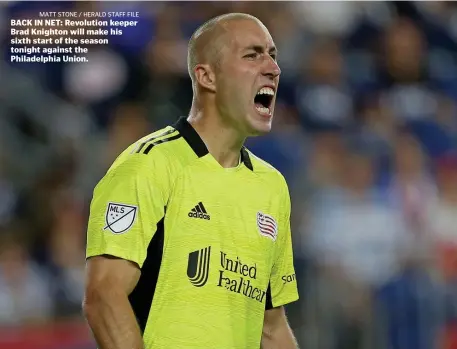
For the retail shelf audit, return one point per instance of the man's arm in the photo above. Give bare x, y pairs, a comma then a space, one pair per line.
277, 333
106, 306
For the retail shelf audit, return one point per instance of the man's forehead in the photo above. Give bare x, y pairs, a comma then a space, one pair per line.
248, 33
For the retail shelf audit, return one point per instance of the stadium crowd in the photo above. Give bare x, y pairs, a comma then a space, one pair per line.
365, 133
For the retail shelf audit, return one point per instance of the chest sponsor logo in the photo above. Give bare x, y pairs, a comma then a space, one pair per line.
120, 217
233, 275
239, 277
198, 266
267, 226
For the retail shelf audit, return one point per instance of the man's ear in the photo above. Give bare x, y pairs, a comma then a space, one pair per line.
205, 77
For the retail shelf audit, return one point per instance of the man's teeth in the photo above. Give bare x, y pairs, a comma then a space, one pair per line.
266, 91
263, 110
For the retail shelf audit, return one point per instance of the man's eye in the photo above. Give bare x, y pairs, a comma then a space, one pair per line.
273, 56
252, 55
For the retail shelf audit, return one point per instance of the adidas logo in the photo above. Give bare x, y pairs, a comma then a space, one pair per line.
199, 211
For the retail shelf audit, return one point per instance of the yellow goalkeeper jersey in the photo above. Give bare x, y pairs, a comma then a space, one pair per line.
213, 244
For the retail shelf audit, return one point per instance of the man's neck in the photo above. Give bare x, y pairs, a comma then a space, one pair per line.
223, 142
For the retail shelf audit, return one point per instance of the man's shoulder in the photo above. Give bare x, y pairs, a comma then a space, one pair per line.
163, 149
264, 168
159, 143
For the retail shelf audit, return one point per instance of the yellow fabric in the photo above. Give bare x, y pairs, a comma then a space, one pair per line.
216, 267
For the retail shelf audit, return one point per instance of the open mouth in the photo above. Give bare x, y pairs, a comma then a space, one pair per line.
263, 99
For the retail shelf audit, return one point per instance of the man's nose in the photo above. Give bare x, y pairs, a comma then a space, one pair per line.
272, 69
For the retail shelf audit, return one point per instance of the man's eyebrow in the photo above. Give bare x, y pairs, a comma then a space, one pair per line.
260, 49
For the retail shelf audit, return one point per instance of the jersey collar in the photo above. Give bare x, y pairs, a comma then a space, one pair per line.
198, 146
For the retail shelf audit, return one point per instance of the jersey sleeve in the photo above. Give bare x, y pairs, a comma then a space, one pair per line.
127, 207
283, 284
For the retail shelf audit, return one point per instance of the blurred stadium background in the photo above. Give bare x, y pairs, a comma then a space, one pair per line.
365, 132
